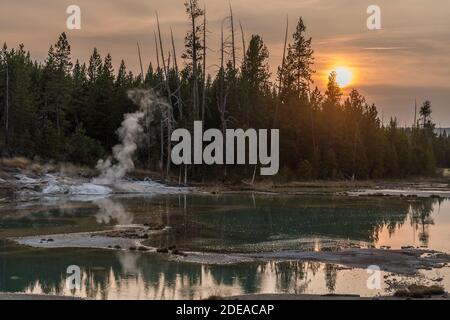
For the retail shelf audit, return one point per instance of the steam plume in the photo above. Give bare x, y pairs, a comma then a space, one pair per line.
130, 134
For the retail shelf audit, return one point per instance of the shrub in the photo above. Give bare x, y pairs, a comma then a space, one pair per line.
82, 149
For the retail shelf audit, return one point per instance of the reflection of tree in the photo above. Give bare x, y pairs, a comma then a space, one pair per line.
420, 216
330, 277
289, 273
105, 273
240, 227
358, 219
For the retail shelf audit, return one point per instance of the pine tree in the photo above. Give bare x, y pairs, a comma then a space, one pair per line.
255, 86
194, 49
57, 89
296, 75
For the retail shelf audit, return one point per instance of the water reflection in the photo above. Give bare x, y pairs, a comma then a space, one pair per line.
215, 223
126, 275
420, 216
112, 211
247, 222
312, 223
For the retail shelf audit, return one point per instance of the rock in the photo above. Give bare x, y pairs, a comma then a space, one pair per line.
142, 249
117, 247
154, 226
178, 253
419, 291
132, 249
162, 250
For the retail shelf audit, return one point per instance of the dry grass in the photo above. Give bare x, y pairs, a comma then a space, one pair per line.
16, 162
33, 167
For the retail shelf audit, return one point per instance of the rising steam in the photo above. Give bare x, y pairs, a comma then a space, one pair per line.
130, 134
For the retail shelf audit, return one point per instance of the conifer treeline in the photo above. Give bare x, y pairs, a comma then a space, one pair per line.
69, 111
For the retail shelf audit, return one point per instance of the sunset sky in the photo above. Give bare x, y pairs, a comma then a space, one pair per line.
409, 58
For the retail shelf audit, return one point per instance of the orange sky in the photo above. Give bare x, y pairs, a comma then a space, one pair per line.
409, 58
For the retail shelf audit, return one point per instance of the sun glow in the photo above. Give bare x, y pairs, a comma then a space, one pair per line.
344, 76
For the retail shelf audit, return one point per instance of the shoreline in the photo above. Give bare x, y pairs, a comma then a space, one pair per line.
17, 175
14, 296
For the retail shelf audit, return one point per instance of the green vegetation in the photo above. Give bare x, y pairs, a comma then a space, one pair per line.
68, 111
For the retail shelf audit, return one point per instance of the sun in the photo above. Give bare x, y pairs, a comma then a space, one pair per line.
344, 76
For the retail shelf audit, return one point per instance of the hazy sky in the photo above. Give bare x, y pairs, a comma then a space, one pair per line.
409, 58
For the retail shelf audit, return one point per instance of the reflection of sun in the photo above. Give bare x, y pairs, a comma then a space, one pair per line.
344, 76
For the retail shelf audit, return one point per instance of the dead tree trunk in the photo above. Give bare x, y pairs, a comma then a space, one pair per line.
7, 105
204, 66
147, 117
243, 42
177, 93
157, 53
169, 94
222, 96
161, 161
194, 60
233, 47
282, 72
140, 63
169, 142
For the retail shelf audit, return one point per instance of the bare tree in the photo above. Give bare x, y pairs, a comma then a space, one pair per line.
140, 63
233, 47
157, 52
204, 65
194, 48
243, 42
161, 160
223, 93
7, 102
281, 73
147, 116
177, 93
169, 115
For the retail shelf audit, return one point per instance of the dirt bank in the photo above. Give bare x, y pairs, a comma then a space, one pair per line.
259, 297
38, 297
310, 297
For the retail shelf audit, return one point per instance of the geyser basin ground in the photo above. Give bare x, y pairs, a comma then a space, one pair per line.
263, 229
58, 185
